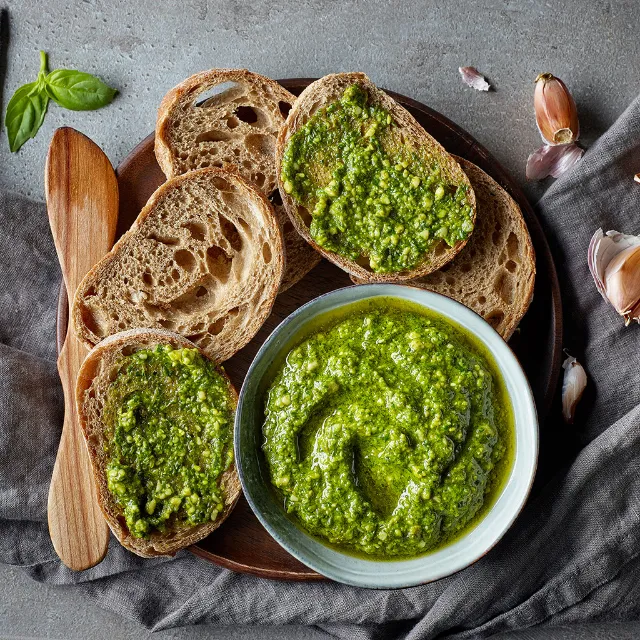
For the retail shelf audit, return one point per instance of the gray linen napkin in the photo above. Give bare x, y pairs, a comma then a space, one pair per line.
572, 556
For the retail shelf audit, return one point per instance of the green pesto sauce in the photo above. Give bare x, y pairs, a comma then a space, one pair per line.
169, 427
388, 431
371, 197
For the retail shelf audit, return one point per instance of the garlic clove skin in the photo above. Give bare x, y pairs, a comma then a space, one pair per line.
568, 156
552, 160
474, 79
622, 281
573, 386
556, 111
596, 262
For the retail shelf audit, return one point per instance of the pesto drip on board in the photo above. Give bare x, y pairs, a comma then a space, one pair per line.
368, 193
169, 420
388, 431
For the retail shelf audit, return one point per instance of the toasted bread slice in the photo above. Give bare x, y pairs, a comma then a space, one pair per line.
237, 127
408, 132
204, 259
95, 376
494, 274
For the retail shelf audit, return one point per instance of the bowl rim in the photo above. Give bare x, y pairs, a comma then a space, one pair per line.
403, 291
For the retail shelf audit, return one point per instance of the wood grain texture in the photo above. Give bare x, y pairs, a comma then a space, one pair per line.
82, 203
241, 543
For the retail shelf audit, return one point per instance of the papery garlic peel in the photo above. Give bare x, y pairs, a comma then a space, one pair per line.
474, 79
614, 262
556, 111
573, 386
552, 160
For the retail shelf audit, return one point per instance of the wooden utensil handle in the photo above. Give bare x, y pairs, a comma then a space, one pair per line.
79, 532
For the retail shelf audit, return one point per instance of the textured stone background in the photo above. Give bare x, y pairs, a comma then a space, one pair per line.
145, 47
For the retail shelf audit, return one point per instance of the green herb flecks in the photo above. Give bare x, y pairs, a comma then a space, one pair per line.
387, 431
169, 421
372, 197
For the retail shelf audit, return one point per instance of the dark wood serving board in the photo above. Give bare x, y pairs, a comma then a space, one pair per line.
241, 543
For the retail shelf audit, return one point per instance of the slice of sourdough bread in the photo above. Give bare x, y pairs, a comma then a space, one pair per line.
237, 126
204, 259
96, 374
494, 274
408, 132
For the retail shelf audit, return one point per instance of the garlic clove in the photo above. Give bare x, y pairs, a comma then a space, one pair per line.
614, 262
602, 249
552, 160
573, 386
556, 111
622, 281
474, 79
637, 177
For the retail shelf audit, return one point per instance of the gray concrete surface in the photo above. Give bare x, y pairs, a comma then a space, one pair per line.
145, 47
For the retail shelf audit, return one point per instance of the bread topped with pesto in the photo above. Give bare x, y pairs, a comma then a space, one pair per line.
157, 417
494, 274
236, 127
367, 186
204, 259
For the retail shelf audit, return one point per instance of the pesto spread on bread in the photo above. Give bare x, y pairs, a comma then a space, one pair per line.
370, 195
169, 420
388, 431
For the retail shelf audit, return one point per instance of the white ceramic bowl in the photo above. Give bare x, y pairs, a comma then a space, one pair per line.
357, 570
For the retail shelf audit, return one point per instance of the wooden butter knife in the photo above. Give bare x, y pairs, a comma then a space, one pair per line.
82, 202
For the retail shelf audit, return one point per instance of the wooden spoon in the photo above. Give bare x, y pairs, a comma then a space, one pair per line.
82, 201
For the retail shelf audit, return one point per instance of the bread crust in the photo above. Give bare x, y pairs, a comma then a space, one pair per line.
263, 279
256, 165
93, 381
321, 93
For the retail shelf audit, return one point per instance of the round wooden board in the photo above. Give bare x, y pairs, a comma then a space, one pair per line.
241, 543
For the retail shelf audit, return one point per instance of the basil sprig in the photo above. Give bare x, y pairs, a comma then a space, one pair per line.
70, 89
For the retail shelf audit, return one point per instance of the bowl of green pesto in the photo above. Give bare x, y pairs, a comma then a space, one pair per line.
386, 436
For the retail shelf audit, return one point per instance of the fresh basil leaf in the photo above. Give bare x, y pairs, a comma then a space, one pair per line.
70, 89
25, 114
77, 90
